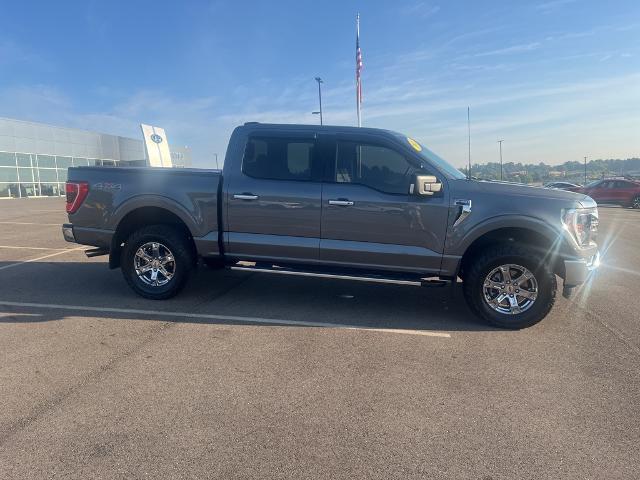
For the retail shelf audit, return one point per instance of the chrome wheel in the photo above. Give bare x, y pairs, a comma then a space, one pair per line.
510, 289
154, 264
636, 202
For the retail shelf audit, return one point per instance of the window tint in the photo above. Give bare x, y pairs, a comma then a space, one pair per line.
24, 159
278, 158
8, 174
26, 174
622, 184
377, 167
63, 162
46, 161
7, 159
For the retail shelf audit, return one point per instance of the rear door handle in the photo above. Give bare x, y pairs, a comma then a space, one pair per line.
245, 196
342, 202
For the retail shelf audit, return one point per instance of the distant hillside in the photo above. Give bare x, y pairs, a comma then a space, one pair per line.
568, 171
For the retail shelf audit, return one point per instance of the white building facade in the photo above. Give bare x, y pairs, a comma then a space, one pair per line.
34, 157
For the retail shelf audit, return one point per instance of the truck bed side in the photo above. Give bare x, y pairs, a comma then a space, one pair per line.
123, 199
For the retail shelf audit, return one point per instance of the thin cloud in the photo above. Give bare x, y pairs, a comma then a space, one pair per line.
547, 7
525, 47
473, 34
422, 9
14, 54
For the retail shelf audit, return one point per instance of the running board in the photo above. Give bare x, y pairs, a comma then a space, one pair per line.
96, 252
358, 278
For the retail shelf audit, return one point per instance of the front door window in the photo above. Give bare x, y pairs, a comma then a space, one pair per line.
376, 167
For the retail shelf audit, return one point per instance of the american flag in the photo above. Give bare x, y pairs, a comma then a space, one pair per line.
358, 67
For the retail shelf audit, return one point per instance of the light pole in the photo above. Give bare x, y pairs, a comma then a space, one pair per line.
319, 80
585, 170
216, 155
500, 142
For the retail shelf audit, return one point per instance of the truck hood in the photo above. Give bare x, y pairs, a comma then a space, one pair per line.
515, 189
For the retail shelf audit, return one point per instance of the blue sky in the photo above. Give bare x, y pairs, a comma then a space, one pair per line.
556, 79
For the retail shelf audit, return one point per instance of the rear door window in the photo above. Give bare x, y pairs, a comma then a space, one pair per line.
278, 158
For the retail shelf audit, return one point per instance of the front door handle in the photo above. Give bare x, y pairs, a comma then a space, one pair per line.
245, 196
341, 202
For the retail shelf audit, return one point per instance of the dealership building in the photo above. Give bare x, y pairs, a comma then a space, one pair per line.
34, 157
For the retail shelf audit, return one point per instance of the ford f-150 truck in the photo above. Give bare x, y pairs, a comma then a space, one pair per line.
326, 200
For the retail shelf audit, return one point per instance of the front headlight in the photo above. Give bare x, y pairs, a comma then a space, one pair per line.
581, 223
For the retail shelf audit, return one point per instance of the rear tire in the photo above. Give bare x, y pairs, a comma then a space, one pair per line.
157, 261
510, 286
635, 203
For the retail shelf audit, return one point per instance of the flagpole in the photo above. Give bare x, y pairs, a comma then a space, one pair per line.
358, 67
469, 137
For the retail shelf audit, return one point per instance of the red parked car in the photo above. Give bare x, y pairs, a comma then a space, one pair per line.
619, 191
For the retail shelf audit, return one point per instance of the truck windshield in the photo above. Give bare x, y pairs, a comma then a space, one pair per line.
433, 158
441, 163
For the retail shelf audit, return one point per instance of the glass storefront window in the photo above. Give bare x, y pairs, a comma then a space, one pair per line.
62, 175
26, 174
29, 189
46, 161
80, 162
49, 189
24, 159
8, 190
63, 162
7, 159
48, 175
8, 174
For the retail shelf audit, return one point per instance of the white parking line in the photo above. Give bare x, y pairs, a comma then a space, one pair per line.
40, 258
32, 223
231, 318
32, 248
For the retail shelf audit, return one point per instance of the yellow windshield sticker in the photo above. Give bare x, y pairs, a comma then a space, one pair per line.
416, 146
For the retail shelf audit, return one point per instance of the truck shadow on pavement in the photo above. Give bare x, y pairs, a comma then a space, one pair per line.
89, 289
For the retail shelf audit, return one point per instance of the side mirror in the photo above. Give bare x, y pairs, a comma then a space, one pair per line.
425, 185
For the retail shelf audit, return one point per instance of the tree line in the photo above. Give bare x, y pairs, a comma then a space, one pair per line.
573, 172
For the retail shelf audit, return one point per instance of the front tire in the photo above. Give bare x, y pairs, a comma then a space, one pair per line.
635, 203
157, 261
510, 286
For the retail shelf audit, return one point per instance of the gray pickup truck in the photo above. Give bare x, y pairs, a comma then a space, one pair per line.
356, 202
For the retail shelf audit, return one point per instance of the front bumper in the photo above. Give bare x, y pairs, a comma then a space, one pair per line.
67, 233
576, 272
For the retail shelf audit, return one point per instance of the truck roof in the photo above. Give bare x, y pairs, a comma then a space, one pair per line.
319, 128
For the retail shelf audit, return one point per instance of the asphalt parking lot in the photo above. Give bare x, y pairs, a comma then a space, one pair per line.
249, 375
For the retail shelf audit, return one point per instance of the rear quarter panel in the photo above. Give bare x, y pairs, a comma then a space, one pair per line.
116, 191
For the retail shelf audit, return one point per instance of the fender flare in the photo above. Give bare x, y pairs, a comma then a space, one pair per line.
165, 203
142, 201
458, 245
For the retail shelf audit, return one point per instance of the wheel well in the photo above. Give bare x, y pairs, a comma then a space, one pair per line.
141, 217
522, 236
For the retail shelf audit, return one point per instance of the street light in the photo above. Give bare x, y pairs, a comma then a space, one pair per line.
585, 170
319, 80
217, 168
500, 142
